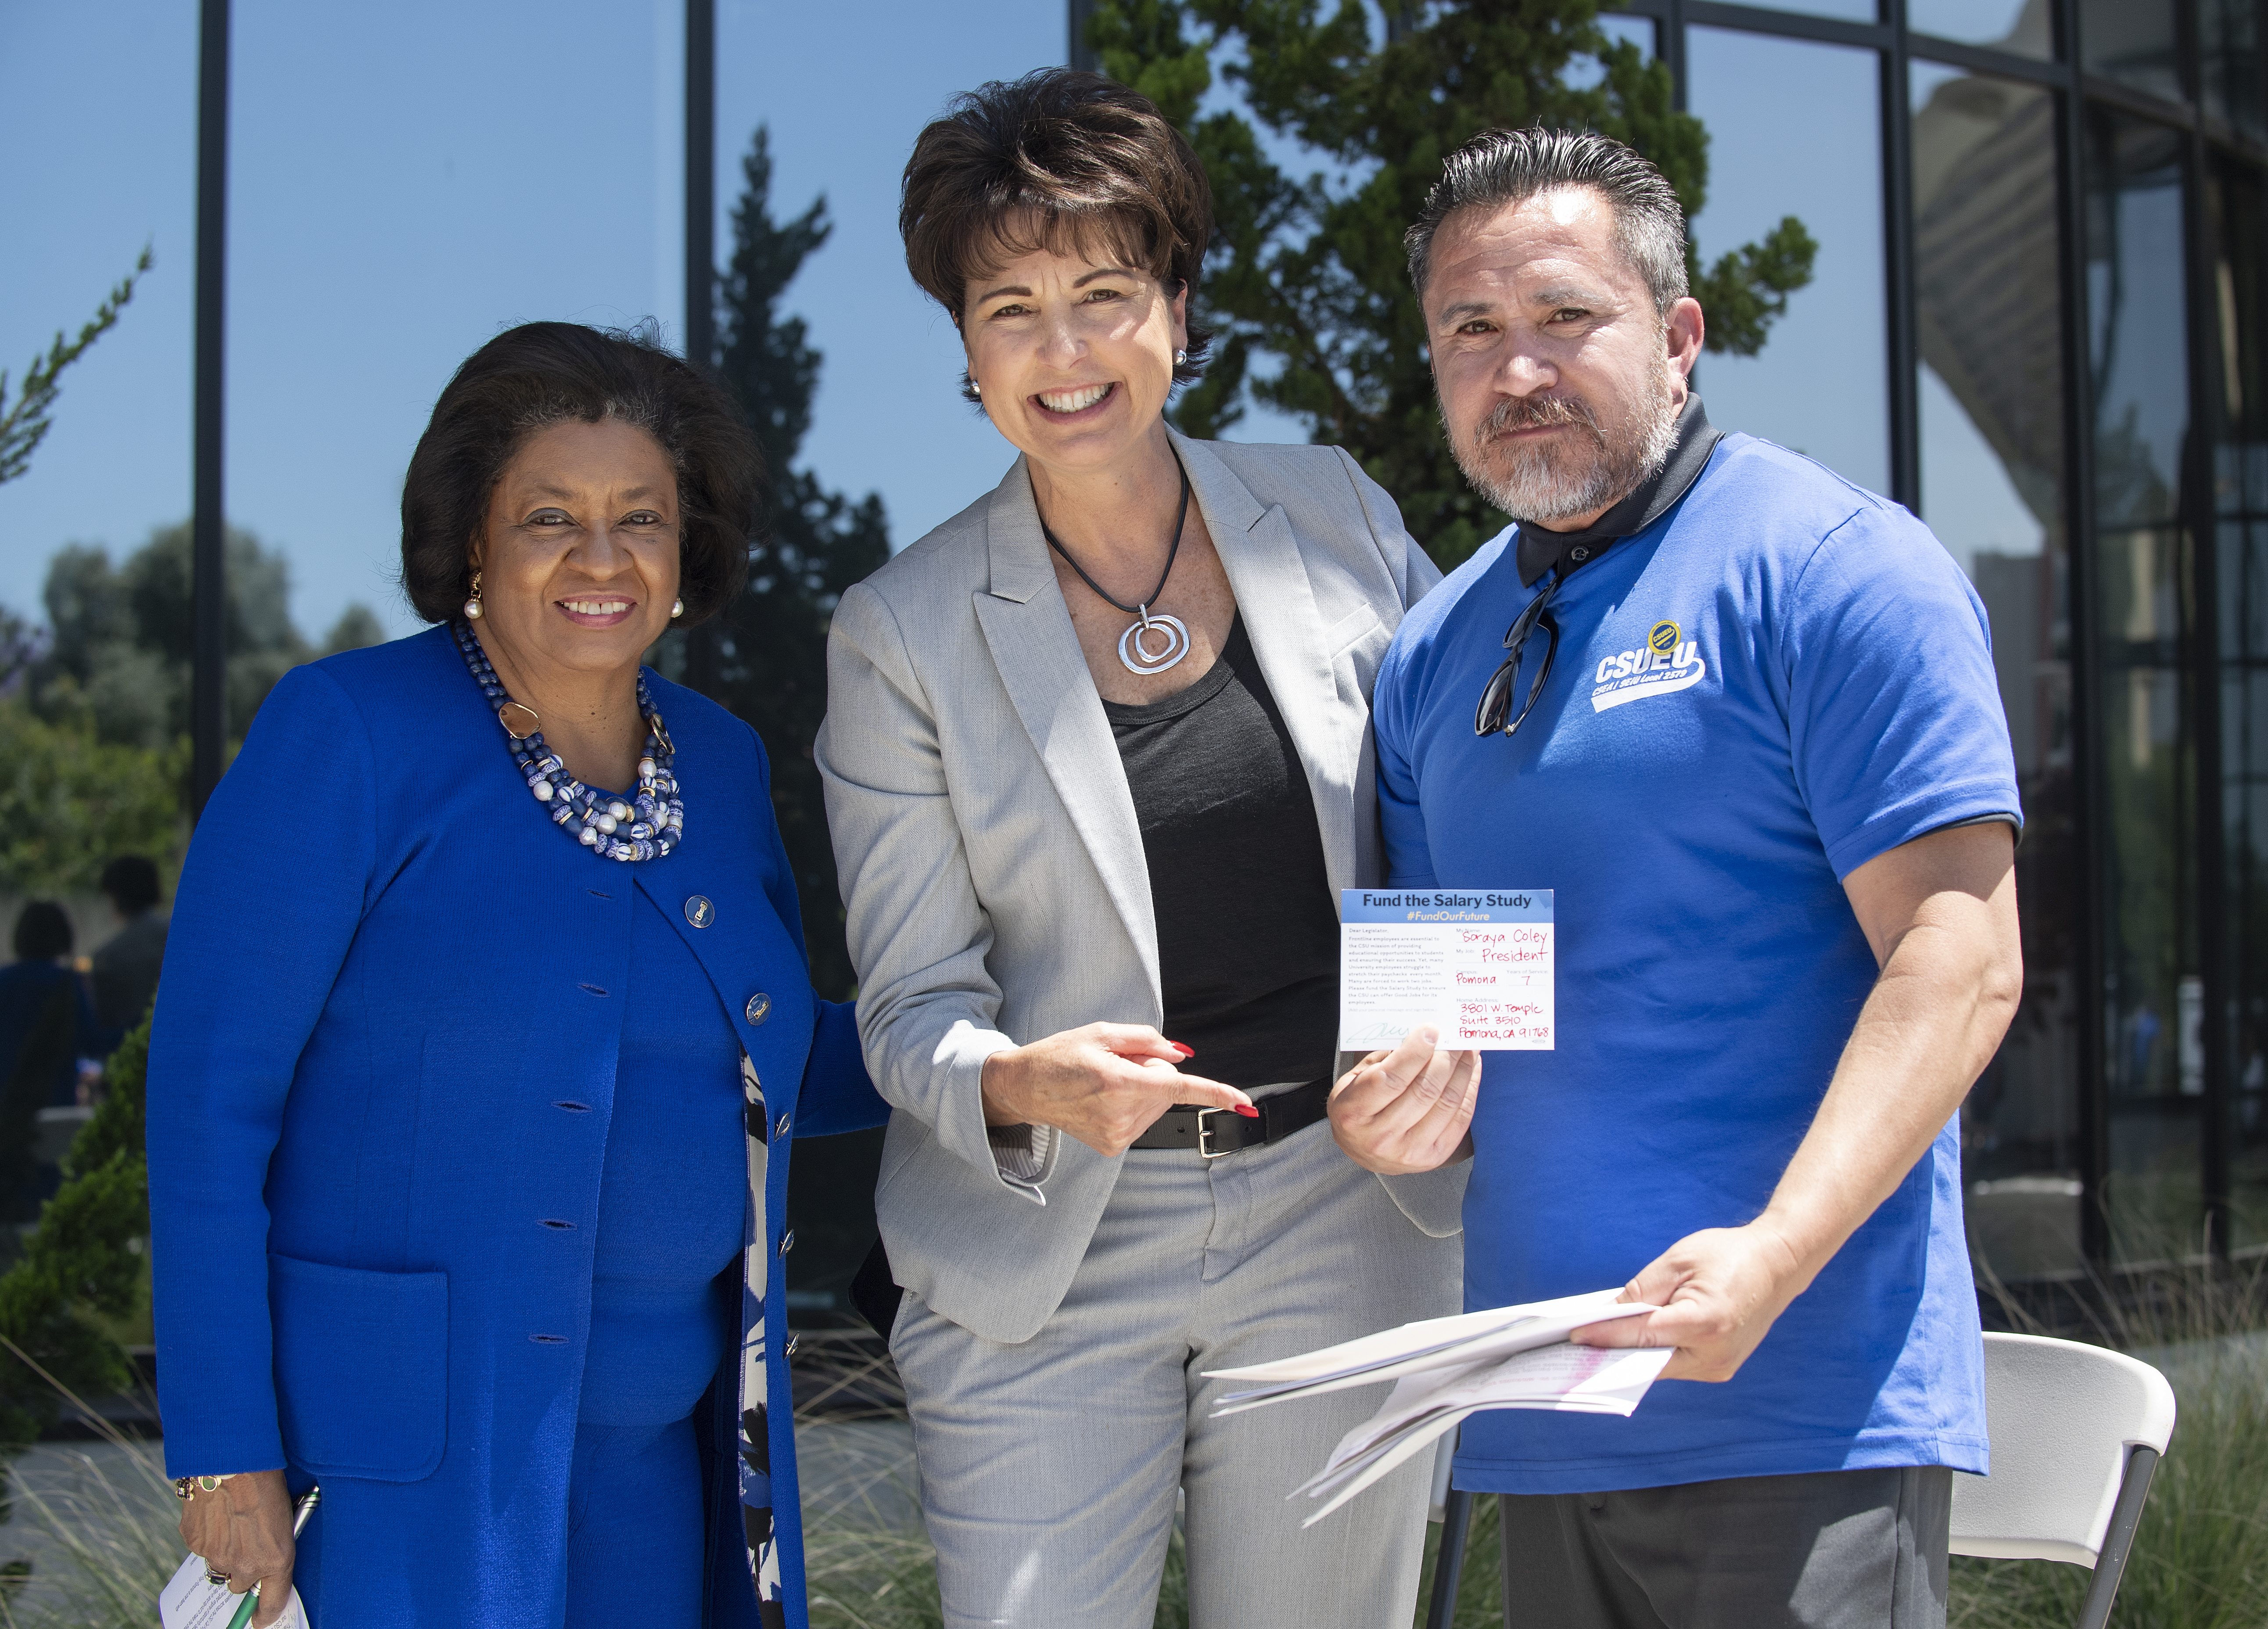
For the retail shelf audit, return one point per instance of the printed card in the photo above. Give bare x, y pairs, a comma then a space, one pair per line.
1478, 963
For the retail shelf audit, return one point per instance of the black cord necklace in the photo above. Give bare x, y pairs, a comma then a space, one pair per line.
1133, 650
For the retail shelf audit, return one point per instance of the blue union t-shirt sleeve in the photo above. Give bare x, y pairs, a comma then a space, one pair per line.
1409, 860
1894, 712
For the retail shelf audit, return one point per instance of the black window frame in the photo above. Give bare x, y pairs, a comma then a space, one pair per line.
2208, 142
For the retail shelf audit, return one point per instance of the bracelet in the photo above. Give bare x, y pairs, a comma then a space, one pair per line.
189, 1487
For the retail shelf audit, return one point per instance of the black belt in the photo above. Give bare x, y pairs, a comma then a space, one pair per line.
1213, 1133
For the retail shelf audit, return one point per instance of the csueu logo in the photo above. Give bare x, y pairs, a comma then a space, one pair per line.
1665, 663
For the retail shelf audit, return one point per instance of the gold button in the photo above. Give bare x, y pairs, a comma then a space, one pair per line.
699, 911
760, 1004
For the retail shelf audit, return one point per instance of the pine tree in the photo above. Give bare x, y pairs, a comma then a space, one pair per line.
768, 657
1308, 273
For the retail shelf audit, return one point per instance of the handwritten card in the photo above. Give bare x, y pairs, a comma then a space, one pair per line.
1478, 963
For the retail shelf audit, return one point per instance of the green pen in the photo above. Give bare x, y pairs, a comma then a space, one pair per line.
300, 1512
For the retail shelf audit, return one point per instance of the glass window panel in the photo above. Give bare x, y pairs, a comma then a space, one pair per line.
2137, 343
1848, 11
1820, 385
846, 139
2234, 72
116, 169
2237, 208
2022, 27
844, 90
1990, 327
1582, 72
2131, 40
1640, 31
2137, 318
394, 208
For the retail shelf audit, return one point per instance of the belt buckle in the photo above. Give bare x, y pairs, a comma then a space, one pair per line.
1205, 1132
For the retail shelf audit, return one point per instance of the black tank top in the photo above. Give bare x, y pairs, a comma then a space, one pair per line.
1247, 932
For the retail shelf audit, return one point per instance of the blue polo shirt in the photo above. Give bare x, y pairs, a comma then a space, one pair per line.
1779, 679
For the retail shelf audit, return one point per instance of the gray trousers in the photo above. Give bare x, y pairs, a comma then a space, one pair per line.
1049, 1469
1834, 1550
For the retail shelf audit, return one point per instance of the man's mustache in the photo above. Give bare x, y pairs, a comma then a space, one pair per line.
1517, 413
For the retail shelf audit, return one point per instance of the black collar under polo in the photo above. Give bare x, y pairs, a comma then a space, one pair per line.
1541, 549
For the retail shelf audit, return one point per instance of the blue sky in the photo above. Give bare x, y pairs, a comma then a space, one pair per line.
407, 179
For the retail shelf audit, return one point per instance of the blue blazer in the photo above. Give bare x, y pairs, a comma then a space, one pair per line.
381, 1078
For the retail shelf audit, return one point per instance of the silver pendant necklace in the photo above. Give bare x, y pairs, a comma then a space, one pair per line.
1134, 644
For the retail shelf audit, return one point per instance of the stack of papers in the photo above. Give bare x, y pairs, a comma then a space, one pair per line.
1444, 1369
190, 1601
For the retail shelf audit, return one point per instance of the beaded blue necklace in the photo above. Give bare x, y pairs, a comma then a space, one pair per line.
646, 828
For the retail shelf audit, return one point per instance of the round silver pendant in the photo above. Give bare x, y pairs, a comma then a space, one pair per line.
1134, 645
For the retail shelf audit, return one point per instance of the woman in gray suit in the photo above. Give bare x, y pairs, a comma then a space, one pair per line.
1098, 760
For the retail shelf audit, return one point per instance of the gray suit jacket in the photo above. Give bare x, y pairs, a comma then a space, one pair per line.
991, 864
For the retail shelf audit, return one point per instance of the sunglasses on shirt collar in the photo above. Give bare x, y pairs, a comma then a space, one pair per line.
1496, 700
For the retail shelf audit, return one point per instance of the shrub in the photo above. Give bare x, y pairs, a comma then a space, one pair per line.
82, 1262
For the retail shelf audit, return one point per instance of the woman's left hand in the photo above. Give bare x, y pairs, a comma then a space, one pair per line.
1409, 1109
243, 1529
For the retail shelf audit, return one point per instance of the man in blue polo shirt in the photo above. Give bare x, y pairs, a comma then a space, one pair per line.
1744, 723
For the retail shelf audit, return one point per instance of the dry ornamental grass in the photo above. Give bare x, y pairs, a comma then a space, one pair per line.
100, 1517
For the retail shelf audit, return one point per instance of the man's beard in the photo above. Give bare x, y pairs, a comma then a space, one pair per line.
1565, 476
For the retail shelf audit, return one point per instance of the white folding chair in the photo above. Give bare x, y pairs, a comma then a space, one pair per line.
2077, 1432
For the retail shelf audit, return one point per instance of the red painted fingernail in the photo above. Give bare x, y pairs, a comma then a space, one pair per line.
1247, 1110
1186, 1052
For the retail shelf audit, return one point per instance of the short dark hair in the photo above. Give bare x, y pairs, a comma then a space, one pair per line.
543, 374
1501, 167
1059, 160
131, 881
42, 931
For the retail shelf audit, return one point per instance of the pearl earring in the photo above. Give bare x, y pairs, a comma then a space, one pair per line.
975, 388
1180, 357
473, 605
677, 607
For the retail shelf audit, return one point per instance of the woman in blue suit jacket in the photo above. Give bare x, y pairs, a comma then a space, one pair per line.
471, 1086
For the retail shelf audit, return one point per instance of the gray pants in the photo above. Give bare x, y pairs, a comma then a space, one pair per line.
1049, 1469
1836, 1550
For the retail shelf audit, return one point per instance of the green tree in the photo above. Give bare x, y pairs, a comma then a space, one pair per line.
358, 626
122, 639
70, 804
769, 648
1306, 276
25, 423
20, 646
